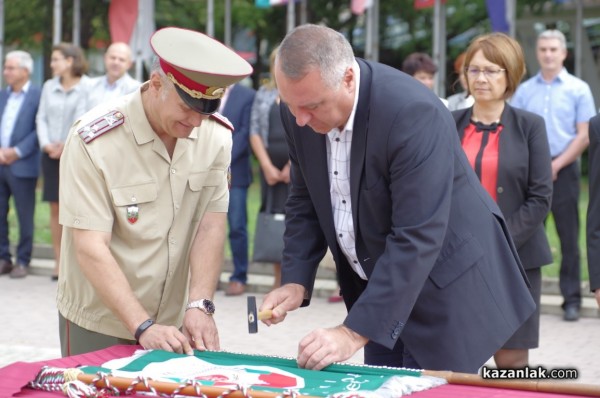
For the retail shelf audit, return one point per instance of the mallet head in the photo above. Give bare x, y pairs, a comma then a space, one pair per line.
254, 315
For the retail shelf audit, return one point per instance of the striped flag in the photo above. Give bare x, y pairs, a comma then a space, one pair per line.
122, 16
421, 4
358, 7
497, 15
269, 3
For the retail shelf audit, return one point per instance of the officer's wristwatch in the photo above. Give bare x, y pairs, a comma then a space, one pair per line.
203, 305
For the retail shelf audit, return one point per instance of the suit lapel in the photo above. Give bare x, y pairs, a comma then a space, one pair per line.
3, 100
359, 136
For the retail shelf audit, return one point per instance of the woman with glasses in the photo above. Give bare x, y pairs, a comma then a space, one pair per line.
508, 149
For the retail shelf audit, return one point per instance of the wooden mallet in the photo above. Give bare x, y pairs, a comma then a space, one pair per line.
254, 315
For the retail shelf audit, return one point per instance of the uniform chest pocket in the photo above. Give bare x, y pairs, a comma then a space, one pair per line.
202, 187
134, 194
135, 206
203, 179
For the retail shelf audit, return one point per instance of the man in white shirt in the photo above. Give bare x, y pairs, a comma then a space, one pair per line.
116, 82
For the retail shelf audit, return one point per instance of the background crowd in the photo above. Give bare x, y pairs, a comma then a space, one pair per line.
523, 139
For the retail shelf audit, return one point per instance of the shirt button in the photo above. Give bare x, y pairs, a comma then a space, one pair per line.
335, 172
340, 235
172, 171
76, 222
337, 139
500, 189
133, 199
343, 201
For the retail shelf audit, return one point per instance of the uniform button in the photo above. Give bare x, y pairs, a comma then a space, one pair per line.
340, 235
335, 172
172, 171
500, 189
343, 201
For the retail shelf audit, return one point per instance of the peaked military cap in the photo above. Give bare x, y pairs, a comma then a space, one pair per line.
199, 66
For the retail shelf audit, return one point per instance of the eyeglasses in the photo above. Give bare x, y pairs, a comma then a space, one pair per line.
488, 73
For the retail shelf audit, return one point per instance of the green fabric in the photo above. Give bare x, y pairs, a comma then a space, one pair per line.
334, 379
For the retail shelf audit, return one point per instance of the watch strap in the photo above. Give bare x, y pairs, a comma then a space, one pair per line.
204, 305
142, 328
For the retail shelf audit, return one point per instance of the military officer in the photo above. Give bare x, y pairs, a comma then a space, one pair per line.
143, 202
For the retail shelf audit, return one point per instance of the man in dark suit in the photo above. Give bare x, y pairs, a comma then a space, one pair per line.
593, 211
19, 159
236, 106
427, 269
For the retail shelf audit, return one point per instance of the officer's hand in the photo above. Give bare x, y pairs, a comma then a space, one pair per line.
167, 338
322, 347
282, 300
200, 330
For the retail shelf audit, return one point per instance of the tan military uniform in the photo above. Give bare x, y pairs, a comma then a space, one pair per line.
124, 182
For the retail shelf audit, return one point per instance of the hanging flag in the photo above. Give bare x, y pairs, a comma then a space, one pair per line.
358, 7
497, 15
421, 4
122, 16
269, 3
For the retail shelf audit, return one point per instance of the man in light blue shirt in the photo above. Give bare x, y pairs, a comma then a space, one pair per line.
19, 159
116, 82
566, 104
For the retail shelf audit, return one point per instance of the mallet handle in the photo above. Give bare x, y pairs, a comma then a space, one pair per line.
266, 314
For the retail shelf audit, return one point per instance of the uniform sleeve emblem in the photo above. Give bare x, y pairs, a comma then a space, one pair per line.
101, 125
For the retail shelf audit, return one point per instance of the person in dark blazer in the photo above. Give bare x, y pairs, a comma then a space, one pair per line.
593, 210
427, 269
508, 148
19, 159
236, 107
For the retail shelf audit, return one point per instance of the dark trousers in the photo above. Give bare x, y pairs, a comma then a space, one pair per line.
75, 340
237, 217
565, 210
23, 191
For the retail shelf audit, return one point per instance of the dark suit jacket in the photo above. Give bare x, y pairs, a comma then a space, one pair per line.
593, 212
237, 110
444, 275
524, 186
24, 135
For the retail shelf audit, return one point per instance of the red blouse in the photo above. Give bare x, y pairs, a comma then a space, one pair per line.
481, 147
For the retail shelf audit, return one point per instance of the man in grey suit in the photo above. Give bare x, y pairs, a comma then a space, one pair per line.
116, 82
427, 269
19, 159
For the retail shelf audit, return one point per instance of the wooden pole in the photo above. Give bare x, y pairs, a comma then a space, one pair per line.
559, 387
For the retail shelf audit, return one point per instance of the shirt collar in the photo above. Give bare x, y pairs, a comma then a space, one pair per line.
562, 75
350, 123
24, 89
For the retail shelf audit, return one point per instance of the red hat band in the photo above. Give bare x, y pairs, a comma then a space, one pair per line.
191, 87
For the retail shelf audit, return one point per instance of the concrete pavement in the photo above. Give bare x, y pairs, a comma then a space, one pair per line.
30, 327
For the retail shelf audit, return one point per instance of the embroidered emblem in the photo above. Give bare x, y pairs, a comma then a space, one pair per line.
133, 214
101, 125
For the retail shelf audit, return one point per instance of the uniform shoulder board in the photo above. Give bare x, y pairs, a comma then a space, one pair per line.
101, 125
222, 120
